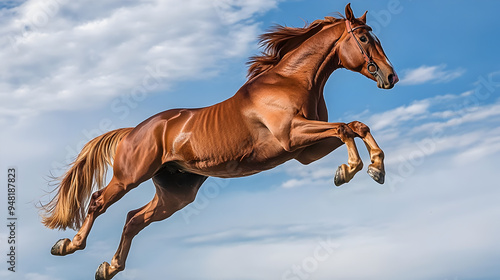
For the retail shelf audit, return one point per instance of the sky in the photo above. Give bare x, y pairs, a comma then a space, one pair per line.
72, 70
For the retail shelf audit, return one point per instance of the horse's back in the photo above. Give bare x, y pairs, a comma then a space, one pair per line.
227, 139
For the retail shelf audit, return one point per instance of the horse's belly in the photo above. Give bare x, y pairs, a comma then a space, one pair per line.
258, 160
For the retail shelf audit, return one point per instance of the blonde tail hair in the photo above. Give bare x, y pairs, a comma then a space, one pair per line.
68, 207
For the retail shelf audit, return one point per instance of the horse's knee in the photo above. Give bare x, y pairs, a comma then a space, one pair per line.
345, 132
359, 128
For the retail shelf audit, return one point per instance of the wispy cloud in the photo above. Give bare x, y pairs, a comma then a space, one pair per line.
395, 116
114, 48
434, 74
312, 176
264, 234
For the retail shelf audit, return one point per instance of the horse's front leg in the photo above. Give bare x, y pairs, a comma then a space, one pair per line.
376, 169
326, 146
316, 135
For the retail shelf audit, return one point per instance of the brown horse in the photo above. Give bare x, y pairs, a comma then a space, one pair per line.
279, 114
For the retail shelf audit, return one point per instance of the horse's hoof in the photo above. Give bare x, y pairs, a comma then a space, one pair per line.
102, 272
339, 177
377, 175
58, 248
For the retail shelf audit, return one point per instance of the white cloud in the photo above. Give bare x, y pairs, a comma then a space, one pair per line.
55, 60
394, 117
487, 144
455, 119
292, 183
435, 74
232, 11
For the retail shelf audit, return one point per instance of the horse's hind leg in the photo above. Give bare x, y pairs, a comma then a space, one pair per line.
376, 169
136, 221
99, 202
129, 170
174, 190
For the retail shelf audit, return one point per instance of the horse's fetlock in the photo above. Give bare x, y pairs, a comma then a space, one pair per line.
378, 154
79, 242
358, 165
117, 265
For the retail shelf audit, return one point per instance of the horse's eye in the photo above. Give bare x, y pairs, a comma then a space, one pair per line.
363, 39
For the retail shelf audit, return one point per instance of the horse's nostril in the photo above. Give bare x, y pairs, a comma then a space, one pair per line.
391, 78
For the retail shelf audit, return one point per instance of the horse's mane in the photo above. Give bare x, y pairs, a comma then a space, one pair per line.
280, 40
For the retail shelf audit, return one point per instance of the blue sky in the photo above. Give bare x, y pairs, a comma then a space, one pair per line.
74, 69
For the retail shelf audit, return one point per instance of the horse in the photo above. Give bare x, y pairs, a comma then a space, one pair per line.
278, 115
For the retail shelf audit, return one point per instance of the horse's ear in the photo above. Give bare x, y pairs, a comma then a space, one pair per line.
363, 17
349, 15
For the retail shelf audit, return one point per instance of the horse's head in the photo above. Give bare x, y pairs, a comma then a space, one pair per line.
361, 51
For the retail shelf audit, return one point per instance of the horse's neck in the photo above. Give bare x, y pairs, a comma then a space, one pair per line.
314, 60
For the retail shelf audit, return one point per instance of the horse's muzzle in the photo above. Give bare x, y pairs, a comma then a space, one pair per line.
387, 82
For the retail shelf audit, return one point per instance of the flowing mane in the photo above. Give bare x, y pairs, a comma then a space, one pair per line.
280, 40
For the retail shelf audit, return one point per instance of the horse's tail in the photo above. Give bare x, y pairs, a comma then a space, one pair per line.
68, 207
